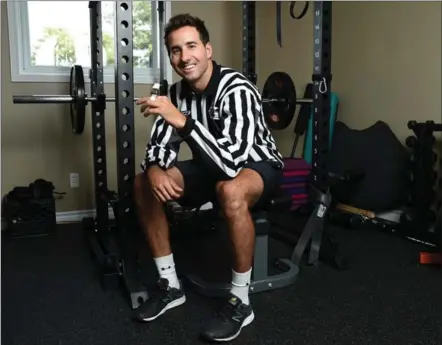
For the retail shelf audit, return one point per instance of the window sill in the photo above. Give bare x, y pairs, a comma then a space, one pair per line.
108, 77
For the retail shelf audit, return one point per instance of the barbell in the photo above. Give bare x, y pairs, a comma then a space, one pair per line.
59, 99
78, 99
278, 97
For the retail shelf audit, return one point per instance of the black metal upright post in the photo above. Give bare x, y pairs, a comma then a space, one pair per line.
319, 180
98, 231
124, 94
160, 10
321, 93
163, 78
249, 37
98, 120
112, 243
125, 141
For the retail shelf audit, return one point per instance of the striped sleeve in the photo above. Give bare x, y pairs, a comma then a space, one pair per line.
164, 144
239, 109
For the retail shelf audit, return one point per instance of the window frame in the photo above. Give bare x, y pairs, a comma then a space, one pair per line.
20, 54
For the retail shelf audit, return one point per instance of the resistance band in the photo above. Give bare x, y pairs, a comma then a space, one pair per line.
292, 14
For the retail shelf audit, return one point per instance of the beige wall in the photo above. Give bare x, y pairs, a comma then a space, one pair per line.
37, 140
385, 64
385, 61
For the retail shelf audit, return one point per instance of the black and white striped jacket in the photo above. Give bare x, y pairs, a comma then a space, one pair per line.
225, 128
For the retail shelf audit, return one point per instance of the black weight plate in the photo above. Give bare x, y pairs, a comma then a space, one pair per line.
280, 86
78, 106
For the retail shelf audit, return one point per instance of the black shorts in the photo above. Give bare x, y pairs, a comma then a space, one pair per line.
200, 184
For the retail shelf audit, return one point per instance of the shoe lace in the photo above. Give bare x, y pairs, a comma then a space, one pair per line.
161, 290
226, 311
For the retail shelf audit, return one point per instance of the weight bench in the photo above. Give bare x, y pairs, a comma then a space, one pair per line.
261, 280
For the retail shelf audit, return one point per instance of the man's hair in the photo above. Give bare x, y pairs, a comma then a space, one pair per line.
181, 20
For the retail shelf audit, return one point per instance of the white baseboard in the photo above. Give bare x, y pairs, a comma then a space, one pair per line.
77, 216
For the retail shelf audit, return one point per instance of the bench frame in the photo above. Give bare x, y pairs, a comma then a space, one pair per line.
261, 280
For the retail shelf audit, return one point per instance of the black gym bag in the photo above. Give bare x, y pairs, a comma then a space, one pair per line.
380, 155
30, 210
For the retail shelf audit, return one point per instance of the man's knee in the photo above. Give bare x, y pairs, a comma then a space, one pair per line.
143, 189
232, 197
176, 175
241, 193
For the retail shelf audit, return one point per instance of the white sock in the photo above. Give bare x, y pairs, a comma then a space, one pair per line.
241, 284
166, 269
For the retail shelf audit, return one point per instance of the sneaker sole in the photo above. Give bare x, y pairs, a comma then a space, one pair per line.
171, 305
246, 322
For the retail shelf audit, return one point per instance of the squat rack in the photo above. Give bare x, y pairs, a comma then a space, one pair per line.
321, 77
115, 245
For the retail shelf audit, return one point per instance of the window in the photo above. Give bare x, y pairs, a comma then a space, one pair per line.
48, 37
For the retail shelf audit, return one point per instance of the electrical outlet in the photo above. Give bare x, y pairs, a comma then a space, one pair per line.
74, 179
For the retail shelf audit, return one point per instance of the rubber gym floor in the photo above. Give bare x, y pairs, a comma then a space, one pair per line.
51, 296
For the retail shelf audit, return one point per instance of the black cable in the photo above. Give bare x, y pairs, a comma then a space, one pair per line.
292, 10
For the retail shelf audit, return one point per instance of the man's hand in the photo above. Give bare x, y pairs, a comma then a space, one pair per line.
163, 186
162, 106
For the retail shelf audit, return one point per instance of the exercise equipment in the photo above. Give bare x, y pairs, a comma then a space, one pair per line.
308, 140
435, 257
261, 279
314, 233
420, 216
279, 99
114, 243
292, 14
378, 152
78, 99
355, 218
304, 123
303, 12
319, 181
29, 211
280, 89
387, 198
295, 181
275, 89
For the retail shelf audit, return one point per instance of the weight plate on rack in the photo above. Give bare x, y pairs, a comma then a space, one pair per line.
280, 88
78, 106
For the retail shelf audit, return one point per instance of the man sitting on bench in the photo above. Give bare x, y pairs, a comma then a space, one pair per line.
218, 113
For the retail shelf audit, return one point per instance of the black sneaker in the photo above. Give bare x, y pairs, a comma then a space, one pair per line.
161, 300
228, 322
